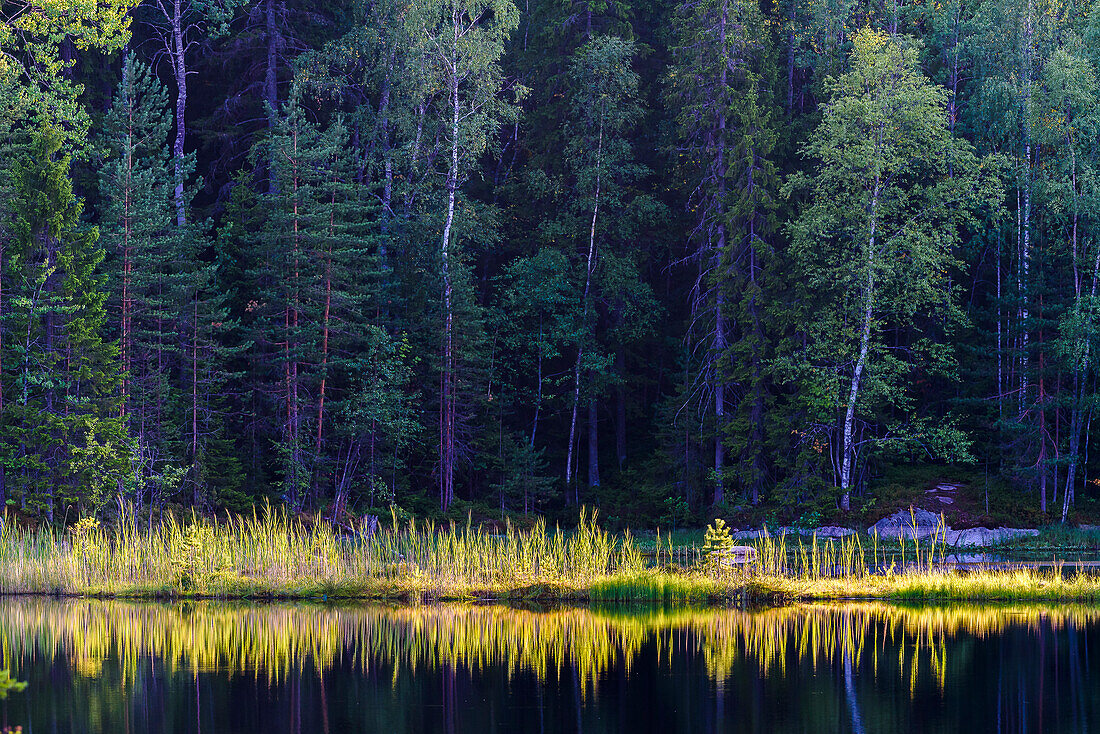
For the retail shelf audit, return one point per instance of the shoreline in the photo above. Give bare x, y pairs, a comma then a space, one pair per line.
646, 587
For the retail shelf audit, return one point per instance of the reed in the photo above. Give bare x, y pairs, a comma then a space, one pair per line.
270, 555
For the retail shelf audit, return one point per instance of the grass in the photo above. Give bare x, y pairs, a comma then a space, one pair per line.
269, 555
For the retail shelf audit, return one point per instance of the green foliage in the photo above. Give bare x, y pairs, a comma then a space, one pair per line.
467, 246
36, 80
61, 438
891, 191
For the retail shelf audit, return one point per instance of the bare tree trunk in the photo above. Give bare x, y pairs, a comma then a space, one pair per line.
719, 391
179, 68
446, 405
290, 347
1000, 346
593, 446
790, 56
720, 341
1025, 244
756, 415
324, 339
1080, 381
387, 155
620, 409
126, 345
197, 495
271, 89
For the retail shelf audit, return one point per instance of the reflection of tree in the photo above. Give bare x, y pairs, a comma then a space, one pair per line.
9, 684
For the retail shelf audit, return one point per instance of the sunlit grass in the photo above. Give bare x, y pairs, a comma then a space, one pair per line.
270, 555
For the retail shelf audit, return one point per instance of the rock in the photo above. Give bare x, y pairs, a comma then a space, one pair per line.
912, 523
946, 500
832, 531
980, 537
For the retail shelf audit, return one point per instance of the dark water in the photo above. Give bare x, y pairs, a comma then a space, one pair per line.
116, 668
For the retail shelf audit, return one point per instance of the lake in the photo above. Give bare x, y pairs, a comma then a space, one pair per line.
119, 667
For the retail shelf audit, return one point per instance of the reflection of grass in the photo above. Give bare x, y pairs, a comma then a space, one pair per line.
272, 641
271, 555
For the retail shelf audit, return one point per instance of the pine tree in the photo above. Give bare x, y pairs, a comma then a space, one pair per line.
314, 274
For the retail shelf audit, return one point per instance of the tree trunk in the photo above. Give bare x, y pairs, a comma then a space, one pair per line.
593, 446
324, 340
179, 68
848, 447
719, 392
620, 409
271, 88
1025, 240
756, 411
720, 339
589, 269
790, 57
197, 495
446, 405
290, 347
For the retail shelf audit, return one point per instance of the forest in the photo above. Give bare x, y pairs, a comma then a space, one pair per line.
442, 258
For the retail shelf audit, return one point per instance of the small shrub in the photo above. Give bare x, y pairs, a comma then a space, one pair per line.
716, 542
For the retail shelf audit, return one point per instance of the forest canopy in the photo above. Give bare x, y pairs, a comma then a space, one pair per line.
436, 257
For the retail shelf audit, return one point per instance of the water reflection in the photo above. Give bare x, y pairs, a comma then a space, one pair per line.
113, 666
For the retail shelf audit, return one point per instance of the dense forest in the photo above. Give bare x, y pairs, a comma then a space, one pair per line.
516, 256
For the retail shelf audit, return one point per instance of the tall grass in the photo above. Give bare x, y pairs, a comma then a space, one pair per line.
269, 554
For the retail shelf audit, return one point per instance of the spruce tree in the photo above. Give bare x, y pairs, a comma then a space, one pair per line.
168, 315
63, 439
721, 84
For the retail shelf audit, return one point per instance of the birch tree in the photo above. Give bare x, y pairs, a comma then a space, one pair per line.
890, 189
604, 109
180, 28
461, 43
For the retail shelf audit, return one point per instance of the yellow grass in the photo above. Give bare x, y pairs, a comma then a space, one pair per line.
270, 555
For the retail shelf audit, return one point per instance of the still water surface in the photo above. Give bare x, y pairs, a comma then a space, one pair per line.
118, 667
